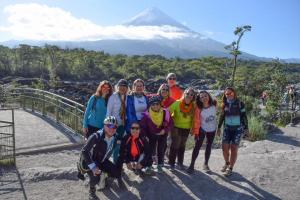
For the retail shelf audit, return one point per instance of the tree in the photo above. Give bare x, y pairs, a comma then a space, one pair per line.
234, 47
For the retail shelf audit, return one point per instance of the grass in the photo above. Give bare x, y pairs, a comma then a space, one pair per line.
7, 162
257, 130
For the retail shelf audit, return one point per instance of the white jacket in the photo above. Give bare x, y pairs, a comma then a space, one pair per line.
114, 107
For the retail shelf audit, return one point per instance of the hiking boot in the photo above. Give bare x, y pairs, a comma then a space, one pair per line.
223, 169
149, 171
190, 170
80, 176
228, 172
172, 168
206, 169
92, 194
159, 169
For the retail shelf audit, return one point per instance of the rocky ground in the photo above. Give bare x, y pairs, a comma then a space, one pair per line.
268, 169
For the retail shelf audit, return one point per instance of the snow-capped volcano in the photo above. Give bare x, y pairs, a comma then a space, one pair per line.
154, 17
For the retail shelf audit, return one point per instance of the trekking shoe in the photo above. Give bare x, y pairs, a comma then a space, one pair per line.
92, 194
206, 169
190, 170
80, 176
181, 166
159, 169
228, 172
149, 171
223, 169
172, 168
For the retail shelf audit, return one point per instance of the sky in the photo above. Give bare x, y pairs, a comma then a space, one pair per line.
275, 23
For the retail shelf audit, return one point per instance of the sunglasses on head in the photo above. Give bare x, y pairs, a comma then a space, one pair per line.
172, 78
112, 126
135, 128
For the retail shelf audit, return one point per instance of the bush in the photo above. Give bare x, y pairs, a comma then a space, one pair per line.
257, 130
284, 119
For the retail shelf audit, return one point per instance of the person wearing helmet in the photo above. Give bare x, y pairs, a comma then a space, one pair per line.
96, 153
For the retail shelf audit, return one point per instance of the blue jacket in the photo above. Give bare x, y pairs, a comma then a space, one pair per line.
95, 112
130, 112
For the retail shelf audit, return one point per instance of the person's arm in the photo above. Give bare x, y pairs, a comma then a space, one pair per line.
244, 119
86, 151
87, 111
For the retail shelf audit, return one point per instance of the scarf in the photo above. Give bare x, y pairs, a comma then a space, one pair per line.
123, 108
157, 117
133, 148
186, 109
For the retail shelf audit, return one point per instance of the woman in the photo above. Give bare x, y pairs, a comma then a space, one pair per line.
137, 103
96, 109
135, 149
183, 113
167, 100
164, 92
234, 119
117, 107
204, 126
156, 124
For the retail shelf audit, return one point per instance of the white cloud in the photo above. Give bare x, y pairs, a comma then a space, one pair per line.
41, 22
208, 33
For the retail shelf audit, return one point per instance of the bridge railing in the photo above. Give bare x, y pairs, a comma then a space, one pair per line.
7, 139
58, 108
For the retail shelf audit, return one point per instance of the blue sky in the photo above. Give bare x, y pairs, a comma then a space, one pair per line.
275, 23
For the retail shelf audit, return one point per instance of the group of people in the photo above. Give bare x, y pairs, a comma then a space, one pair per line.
135, 128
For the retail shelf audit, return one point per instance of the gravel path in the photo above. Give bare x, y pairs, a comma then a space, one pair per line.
268, 169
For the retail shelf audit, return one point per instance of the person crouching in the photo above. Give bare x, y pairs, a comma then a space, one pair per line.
96, 153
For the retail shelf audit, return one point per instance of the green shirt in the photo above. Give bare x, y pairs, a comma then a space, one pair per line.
180, 121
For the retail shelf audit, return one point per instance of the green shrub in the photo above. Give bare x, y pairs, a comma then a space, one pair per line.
257, 130
284, 119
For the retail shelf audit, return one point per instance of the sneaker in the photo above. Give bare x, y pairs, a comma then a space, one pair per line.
228, 172
92, 194
206, 168
159, 169
190, 170
80, 176
223, 169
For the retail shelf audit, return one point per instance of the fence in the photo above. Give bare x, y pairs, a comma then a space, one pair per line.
7, 139
58, 108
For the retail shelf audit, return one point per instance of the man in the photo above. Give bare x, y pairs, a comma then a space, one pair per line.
96, 153
175, 91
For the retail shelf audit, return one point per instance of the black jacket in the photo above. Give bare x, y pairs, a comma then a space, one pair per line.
95, 150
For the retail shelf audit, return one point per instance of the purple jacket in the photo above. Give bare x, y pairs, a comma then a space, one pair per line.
148, 128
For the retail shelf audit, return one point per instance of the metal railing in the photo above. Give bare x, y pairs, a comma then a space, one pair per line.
58, 108
7, 139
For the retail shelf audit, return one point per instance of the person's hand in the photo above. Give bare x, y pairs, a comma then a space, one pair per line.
85, 131
162, 132
96, 171
218, 132
129, 166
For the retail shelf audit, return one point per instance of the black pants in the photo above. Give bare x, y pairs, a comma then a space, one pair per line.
179, 137
108, 167
158, 144
91, 130
198, 143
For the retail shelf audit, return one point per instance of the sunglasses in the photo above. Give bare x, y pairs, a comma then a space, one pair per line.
172, 78
164, 89
111, 126
135, 128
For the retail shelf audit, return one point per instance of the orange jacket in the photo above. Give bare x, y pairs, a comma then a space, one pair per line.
175, 92
196, 122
